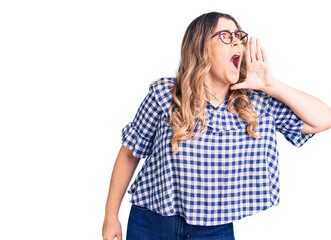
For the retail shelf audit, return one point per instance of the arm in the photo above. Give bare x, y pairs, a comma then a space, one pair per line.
124, 168
138, 136
315, 114
137, 142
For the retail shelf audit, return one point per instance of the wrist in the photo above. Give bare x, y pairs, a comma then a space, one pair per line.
111, 216
111, 213
271, 86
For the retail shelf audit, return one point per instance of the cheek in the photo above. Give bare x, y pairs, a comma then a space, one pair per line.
218, 61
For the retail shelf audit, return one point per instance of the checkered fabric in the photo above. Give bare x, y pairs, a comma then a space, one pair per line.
222, 176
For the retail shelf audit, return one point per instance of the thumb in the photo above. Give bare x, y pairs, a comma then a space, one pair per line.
238, 86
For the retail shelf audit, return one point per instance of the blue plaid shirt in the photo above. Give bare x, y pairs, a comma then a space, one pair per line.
222, 176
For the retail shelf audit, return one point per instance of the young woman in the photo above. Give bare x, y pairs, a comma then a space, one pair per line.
209, 139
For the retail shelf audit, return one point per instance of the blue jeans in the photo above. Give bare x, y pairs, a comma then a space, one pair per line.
144, 224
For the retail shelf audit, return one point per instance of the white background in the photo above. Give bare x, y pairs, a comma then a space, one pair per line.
73, 74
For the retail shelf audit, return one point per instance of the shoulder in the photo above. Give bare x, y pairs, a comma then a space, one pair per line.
162, 89
162, 85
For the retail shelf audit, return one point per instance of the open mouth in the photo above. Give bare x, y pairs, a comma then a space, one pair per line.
234, 62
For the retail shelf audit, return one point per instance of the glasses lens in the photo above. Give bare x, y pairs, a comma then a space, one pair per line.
242, 36
226, 37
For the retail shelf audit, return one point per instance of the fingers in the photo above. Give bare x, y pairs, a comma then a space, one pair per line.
264, 55
258, 50
248, 54
252, 49
255, 51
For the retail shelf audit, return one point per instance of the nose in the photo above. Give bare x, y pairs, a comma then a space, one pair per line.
235, 40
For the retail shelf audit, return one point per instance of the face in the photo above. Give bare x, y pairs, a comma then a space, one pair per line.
224, 65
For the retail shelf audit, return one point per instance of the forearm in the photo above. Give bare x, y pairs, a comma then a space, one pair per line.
123, 170
311, 110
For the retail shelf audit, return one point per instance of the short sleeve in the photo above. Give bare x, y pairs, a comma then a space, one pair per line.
287, 122
139, 134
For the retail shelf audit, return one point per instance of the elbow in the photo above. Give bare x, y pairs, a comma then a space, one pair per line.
308, 129
327, 121
326, 124
129, 153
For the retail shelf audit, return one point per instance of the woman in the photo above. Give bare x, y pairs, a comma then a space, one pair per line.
209, 138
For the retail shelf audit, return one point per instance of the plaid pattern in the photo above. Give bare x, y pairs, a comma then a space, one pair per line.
222, 176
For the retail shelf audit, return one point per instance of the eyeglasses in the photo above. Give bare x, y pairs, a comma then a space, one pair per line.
227, 38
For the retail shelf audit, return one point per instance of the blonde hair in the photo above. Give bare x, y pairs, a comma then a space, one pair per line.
189, 91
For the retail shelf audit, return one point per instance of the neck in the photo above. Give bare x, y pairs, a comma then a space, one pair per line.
217, 89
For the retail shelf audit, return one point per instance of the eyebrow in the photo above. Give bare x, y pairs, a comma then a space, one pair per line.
226, 30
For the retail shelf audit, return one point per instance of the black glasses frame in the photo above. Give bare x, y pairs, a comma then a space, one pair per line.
245, 37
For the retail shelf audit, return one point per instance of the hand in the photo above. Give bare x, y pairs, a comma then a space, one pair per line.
259, 75
111, 229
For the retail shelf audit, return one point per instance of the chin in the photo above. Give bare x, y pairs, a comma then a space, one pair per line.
233, 79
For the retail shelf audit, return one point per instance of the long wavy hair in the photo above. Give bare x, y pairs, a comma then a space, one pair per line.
189, 91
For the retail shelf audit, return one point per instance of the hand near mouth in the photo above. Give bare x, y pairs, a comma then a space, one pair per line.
259, 75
